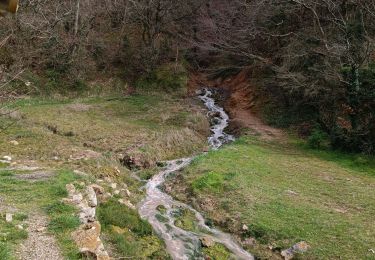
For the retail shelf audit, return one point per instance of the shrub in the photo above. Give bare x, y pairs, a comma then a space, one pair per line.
316, 139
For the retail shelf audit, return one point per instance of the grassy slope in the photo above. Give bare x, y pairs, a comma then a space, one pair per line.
161, 126
286, 194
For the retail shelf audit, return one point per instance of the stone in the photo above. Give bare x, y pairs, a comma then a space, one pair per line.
116, 192
127, 203
137, 161
80, 173
207, 241
77, 198
245, 227
87, 238
20, 227
99, 190
300, 247
113, 185
71, 189
250, 241
7, 158
14, 142
41, 229
8, 217
91, 197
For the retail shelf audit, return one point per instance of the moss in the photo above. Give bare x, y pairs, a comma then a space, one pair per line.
217, 252
186, 220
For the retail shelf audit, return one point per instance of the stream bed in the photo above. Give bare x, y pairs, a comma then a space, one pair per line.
183, 244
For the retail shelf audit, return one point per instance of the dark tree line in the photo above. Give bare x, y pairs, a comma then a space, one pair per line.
314, 59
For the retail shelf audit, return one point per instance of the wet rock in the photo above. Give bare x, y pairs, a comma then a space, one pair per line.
8, 217
207, 242
300, 247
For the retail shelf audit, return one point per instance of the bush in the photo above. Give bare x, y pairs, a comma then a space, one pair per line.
317, 139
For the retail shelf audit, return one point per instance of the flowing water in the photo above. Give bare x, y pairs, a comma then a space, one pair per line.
183, 244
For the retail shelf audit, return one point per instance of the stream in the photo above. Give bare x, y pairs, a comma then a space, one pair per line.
183, 244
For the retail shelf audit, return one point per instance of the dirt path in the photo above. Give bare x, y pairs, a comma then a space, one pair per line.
39, 245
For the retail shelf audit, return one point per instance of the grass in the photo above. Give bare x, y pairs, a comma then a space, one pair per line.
157, 125
50, 131
130, 235
286, 193
30, 197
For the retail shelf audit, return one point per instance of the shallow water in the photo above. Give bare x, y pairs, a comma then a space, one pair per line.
183, 244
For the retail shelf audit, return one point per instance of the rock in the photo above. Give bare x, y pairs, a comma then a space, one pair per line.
249, 241
8, 217
41, 229
108, 179
127, 192
87, 238
245, 227
126, 203
290, 192
113, 185
77, 198
7, 158
99, 190
14, 142
116, 192
300, 247
80, 173
207, 242
20, 227
71, 189
136, 161
91, 197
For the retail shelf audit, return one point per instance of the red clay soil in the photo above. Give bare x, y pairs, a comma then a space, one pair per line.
241, 103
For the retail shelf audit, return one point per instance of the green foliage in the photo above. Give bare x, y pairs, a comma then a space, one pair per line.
211, 181
116, 214
4, 252
217, 252
317, 139
130, 235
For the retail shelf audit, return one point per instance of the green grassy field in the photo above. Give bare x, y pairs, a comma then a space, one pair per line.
285, 194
